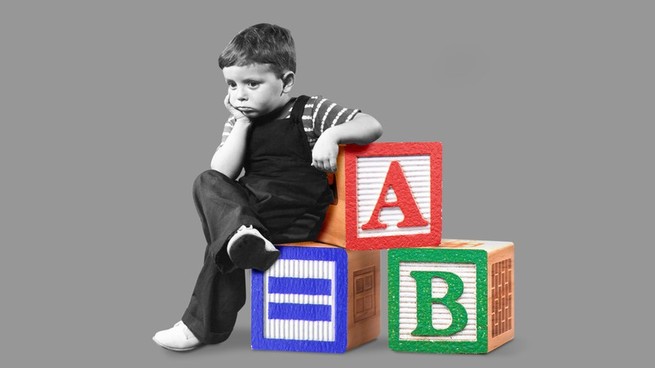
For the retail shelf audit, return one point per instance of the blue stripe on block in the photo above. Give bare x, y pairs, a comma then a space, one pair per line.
302, 312
296, 285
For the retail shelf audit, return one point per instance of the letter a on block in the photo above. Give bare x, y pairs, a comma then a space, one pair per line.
391, 197
404, 200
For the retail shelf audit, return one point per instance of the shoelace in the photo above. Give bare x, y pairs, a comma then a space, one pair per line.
244, 228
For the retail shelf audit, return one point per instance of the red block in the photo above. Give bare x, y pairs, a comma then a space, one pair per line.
388, 195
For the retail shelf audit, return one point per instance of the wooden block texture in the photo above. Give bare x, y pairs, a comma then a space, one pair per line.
316, 298
388, 195
455, 298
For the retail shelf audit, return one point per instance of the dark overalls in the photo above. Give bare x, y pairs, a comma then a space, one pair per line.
281, 195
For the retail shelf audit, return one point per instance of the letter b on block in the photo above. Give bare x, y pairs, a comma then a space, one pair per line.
425, 301
455, 298
388, 196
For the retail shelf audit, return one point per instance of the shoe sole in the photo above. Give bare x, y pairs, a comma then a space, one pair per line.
249, 251
175, 349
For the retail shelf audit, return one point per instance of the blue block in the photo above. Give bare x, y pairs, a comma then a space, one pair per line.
300, 304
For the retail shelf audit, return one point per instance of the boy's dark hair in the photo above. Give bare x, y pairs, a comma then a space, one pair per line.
264, 44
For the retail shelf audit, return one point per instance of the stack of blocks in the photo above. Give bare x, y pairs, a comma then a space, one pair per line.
450, 296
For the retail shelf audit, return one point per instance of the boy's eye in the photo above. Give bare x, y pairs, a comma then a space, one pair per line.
253, 84
231, 84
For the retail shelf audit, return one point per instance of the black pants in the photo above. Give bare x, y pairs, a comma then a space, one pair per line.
220, 292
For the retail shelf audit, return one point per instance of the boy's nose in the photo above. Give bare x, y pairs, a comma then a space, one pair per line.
241, 94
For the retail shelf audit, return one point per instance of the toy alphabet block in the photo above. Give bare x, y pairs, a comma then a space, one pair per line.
316, 298
388, 195
455, 298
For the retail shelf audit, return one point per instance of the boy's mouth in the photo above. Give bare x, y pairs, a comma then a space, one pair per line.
245, 109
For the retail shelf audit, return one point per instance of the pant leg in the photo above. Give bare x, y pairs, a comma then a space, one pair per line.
219, 293
223, 206
302, 228
215, 303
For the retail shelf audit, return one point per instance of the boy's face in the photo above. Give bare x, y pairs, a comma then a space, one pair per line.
254, 89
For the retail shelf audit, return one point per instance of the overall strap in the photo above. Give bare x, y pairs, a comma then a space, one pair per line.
299, 108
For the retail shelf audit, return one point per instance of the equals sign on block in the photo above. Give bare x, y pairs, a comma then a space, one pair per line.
299, 299
300, 303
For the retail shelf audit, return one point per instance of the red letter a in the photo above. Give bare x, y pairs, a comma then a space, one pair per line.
404, 200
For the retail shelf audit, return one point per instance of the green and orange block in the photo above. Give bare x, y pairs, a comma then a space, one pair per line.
454, 298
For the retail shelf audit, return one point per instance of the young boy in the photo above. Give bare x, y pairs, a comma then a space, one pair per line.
285, 145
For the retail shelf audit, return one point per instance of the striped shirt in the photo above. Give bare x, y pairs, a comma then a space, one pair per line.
319, 115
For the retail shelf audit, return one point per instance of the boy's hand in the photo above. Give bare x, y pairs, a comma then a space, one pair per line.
238, 115
324, 154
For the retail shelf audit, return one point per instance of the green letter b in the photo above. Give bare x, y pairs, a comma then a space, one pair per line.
424, 302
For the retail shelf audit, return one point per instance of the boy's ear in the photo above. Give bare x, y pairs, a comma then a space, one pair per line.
287, 81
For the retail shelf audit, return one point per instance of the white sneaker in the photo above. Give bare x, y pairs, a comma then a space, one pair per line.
177, 338
249, 249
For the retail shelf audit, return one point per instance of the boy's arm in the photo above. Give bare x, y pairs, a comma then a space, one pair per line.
228, 158
362, 129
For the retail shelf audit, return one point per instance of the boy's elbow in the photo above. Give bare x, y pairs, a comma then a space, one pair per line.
363, 129
217, 164
214, 164
375, 128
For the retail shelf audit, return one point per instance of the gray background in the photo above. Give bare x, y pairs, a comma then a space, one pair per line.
110, 109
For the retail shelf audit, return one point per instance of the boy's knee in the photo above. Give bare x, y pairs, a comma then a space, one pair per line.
209, 178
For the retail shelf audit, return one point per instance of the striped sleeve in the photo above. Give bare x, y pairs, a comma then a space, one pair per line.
321, 114
227, 129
